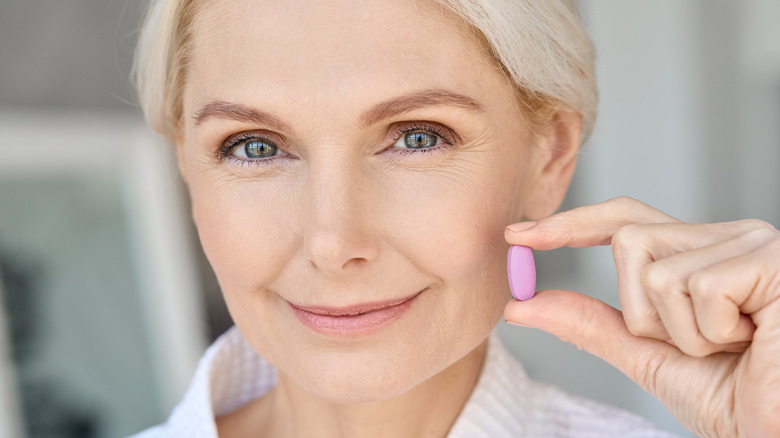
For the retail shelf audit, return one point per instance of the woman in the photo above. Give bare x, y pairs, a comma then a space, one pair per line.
353, 167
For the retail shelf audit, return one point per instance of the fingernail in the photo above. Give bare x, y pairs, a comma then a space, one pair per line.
522, 226
516, 323
521, 270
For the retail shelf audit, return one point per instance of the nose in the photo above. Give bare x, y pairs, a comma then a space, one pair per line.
338, 238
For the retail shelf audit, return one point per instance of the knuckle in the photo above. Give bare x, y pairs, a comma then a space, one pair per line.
692, 346
718, 335
639, 327
626, 237
651, 369
625, 201
656, 279
751, 224
578, 332
564, 234
618, 206
643, 323
702, 285
761, 234
579, 337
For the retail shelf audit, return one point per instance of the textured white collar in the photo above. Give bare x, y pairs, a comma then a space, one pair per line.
505, 402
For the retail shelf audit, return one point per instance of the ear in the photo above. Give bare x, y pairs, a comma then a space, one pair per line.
557, 152
178, 147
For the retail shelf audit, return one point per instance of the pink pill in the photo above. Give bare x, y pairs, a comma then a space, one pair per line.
522, 272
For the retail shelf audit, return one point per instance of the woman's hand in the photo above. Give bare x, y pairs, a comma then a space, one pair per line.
700, 327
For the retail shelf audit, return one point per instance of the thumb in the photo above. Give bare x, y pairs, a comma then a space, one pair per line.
592, 326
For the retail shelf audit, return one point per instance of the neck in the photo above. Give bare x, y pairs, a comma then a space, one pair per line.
427, 410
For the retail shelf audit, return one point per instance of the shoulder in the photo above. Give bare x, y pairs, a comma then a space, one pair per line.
229, 375
506, 403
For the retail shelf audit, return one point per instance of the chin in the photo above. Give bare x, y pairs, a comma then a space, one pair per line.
365, 376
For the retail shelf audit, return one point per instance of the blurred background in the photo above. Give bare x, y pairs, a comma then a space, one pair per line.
106, 303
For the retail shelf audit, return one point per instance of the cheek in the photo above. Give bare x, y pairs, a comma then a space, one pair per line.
452, 228
460, 212
459, 227
245, 232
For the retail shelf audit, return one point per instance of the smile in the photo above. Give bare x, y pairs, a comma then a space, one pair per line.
353, 321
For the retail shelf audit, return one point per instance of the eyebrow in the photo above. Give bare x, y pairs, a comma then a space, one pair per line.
220, 109
413, 101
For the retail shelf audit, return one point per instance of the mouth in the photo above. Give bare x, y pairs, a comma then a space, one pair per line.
353, 321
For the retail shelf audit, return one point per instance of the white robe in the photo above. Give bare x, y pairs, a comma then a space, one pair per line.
505, 402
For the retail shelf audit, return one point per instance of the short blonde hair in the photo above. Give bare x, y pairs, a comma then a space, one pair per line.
541, 45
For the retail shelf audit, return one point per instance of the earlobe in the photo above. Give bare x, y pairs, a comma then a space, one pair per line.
558, 150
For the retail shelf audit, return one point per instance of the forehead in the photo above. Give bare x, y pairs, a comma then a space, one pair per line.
317, 49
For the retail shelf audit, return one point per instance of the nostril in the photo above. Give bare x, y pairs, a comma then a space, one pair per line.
336, 263
354, 262
337, 235
337, 250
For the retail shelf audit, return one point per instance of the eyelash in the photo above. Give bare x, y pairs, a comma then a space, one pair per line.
447, 136
225, 151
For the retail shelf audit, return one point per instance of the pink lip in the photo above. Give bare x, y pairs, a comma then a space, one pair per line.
353, 321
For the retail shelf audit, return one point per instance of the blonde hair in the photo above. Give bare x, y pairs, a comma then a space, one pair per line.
541, 45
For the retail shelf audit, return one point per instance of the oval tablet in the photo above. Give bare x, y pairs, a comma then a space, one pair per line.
521, 269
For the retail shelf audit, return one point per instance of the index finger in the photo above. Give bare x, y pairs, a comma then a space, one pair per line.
591, 225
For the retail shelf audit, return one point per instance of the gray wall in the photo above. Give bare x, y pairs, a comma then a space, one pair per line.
67, 53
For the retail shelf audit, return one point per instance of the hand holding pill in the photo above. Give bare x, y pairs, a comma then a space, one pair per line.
700, 310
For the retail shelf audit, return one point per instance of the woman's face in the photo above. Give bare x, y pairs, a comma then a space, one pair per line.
352, 166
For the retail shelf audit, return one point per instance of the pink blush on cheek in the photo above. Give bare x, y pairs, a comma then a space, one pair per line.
521, 269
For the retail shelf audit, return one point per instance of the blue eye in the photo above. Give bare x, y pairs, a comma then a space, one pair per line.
255, 149
418, 140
